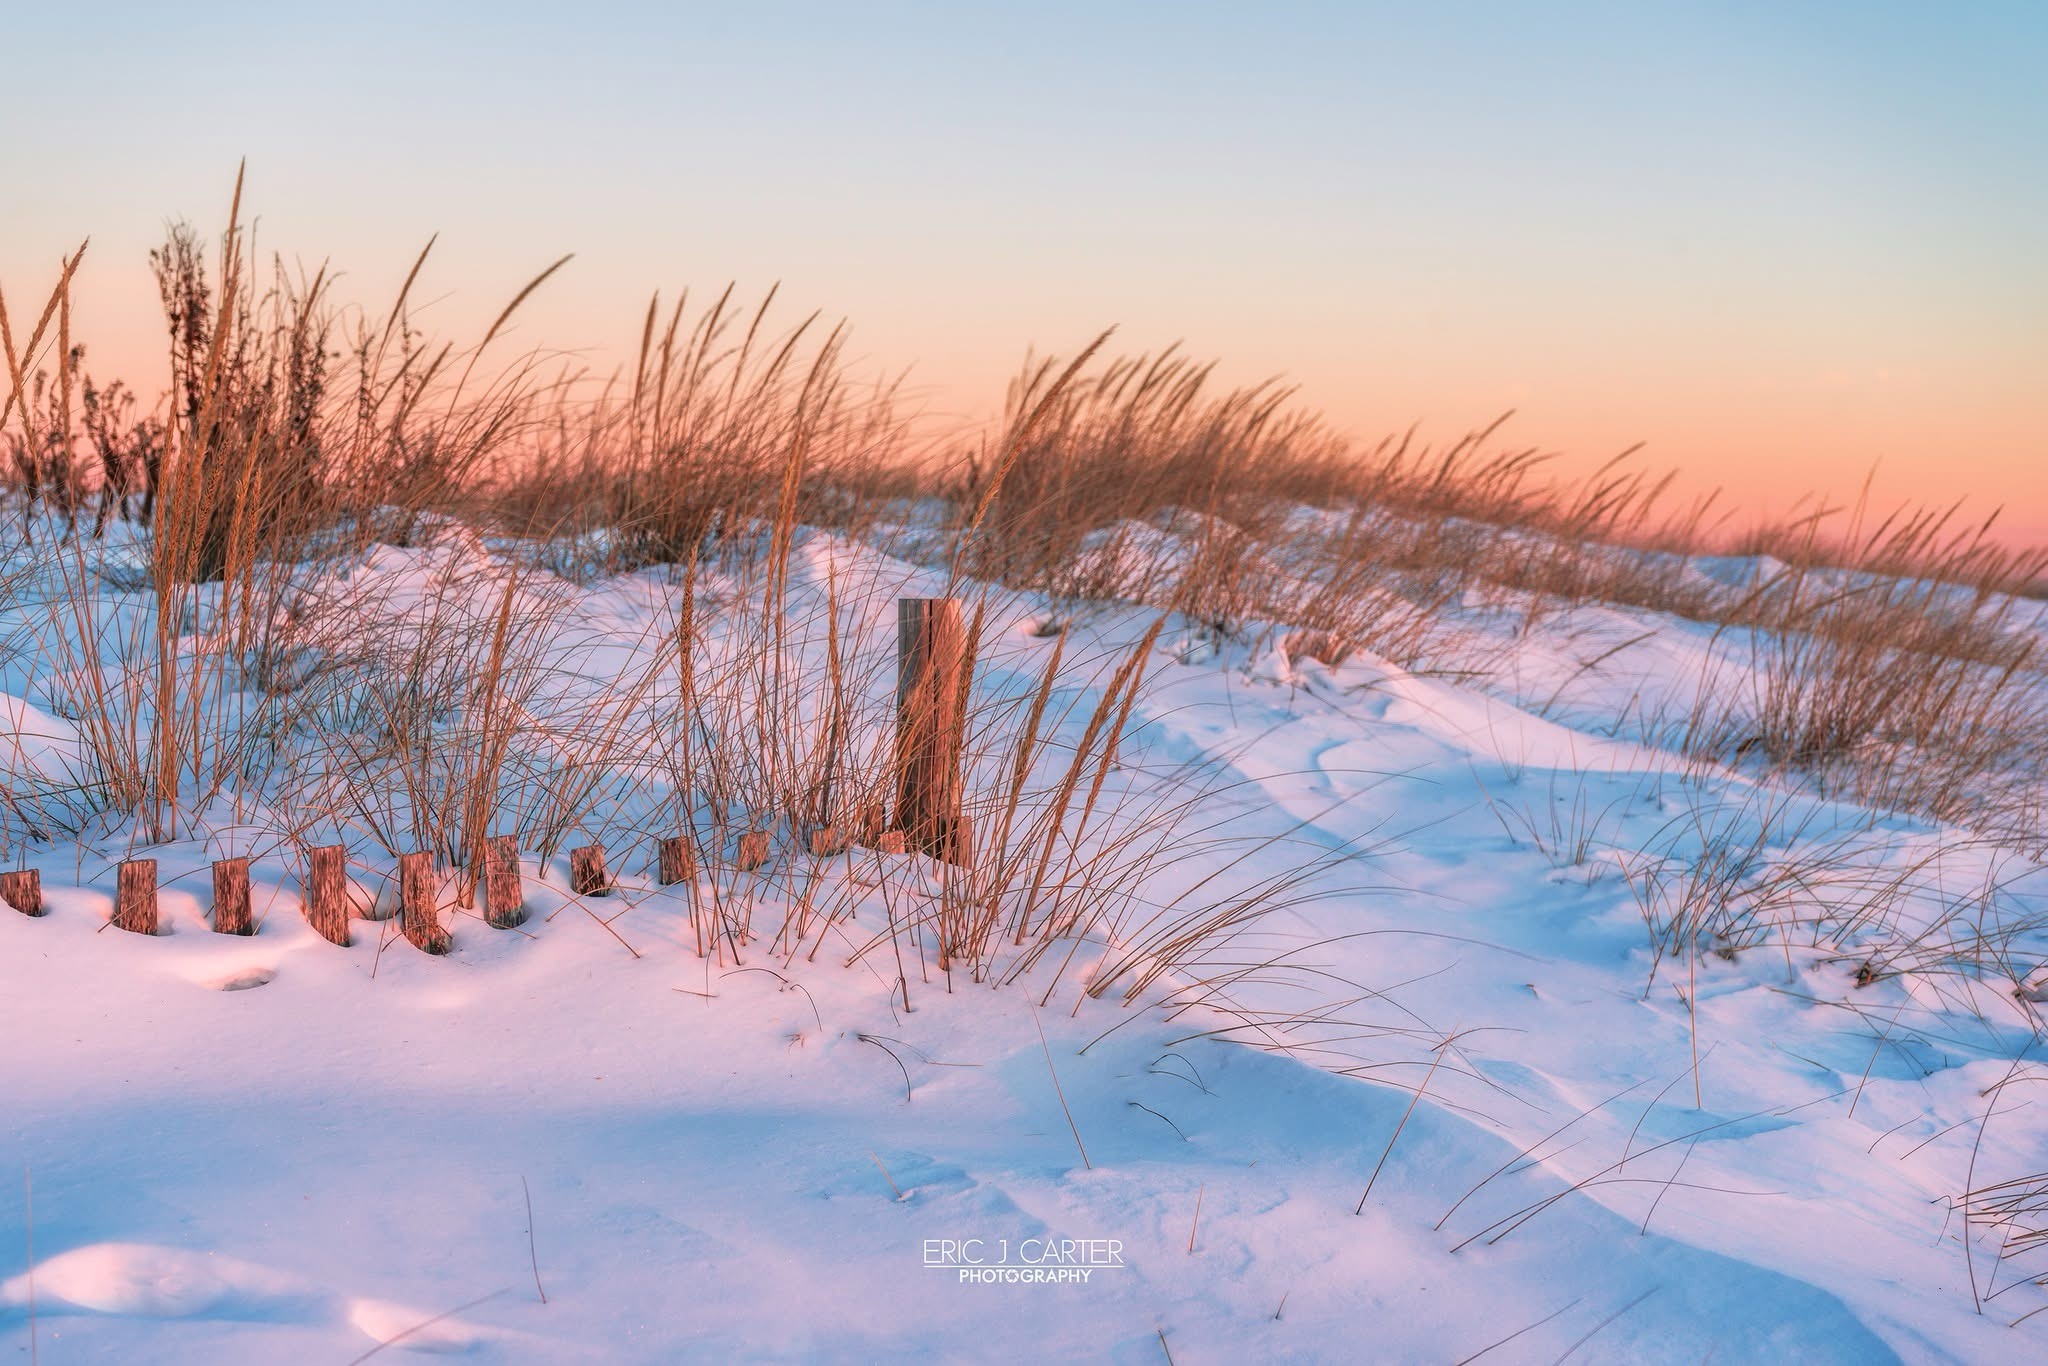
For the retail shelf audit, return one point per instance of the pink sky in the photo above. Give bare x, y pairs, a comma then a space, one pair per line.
1780, 246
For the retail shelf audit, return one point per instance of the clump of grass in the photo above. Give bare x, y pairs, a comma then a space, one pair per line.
2015, 1210
1568, 830
725, 418
1710, 878
1890, 666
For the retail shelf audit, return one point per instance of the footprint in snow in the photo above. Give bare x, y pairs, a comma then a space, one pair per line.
244, 970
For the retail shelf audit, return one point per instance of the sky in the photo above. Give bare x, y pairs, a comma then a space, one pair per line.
1780, 244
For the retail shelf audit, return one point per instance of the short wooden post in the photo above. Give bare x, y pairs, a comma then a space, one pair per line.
753, 851
586, 871
504, 895
327, 893
869, 823
889, 842
419, 918
231, 897
675, 862
827, 841
23, 890
931, 725
135, 896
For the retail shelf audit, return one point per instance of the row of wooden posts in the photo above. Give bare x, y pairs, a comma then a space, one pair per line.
930, 736
328, 908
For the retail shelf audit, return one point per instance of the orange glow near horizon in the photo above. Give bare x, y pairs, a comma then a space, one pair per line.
1770, 443
1780, 249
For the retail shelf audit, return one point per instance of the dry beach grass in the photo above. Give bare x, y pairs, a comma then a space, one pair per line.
331, 591
1882, 662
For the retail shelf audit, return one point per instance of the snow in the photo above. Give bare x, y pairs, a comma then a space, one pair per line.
274, 1149
35, 744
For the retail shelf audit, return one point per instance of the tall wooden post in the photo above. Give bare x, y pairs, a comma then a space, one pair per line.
231, 897
135, 896
327, 893
419, 916
23, 890
504, 897
931, 726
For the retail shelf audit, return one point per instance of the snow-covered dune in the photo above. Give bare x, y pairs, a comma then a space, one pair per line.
1452, 1094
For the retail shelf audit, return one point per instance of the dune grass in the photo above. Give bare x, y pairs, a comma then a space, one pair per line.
209, 642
